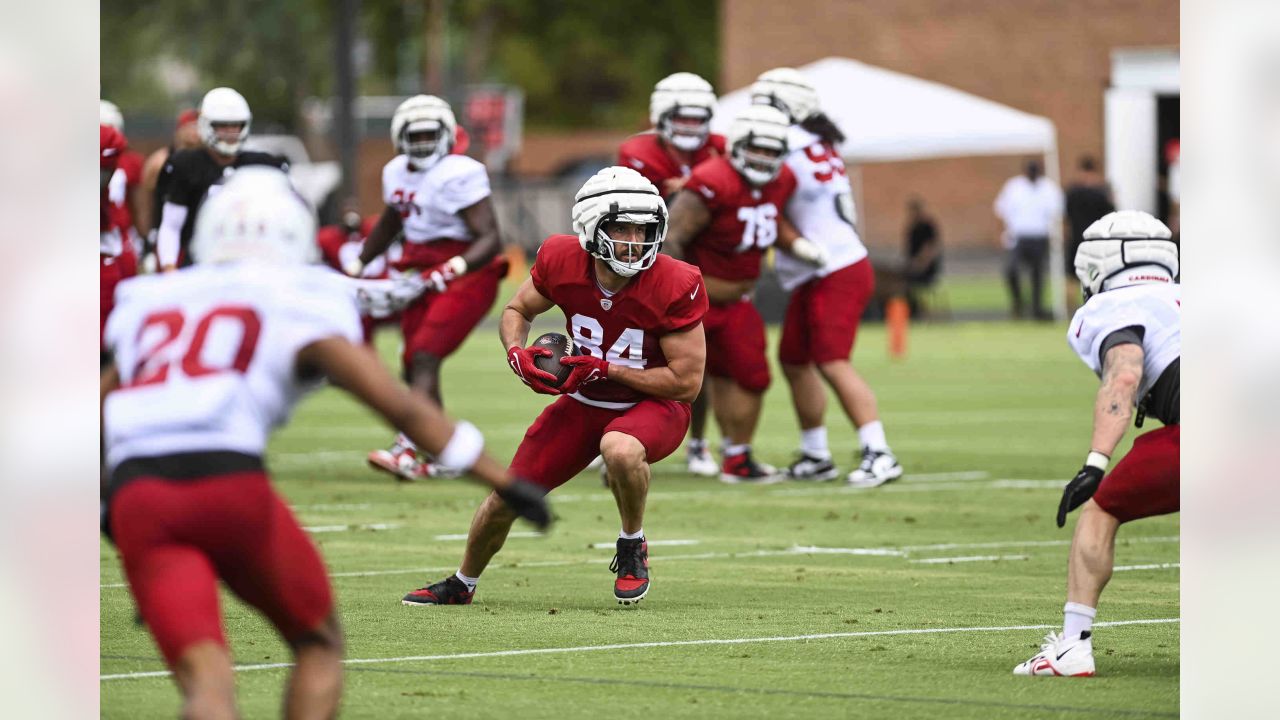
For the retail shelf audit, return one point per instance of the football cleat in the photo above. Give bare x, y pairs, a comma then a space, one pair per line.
444, 472
808, 467
699, 462
631, 563
449, 591
877, 468
1061, 656
399, 460
743, 469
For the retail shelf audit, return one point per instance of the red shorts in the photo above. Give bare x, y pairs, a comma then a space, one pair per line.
1145, 482
823, 315
736, 346
437, 323
566, 436
177, 538
112, 272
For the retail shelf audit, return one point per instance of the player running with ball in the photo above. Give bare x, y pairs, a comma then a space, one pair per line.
636, 318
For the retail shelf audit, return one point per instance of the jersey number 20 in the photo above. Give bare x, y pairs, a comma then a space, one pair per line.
154, 363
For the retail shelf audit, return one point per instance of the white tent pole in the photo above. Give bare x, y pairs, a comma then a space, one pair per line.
1057, 283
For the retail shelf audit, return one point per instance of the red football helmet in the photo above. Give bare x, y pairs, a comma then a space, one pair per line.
111, 145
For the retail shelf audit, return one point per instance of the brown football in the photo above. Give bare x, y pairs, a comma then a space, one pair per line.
559, 346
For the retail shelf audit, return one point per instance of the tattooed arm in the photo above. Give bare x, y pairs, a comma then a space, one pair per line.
1113, 408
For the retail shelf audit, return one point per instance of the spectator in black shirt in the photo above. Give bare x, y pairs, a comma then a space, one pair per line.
192, 175
924, 252
1088, 198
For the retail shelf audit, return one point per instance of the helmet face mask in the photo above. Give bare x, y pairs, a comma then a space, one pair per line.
758, 143
787, 90
680, 109
224, 120
423, 129
1125, 248
620, 196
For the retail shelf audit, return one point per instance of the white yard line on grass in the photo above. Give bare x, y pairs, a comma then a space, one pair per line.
519, 534
967, 558
903, 551
350, 528
1153, 566
661, 644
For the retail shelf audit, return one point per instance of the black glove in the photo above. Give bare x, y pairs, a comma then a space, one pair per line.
529, 502
1081, 488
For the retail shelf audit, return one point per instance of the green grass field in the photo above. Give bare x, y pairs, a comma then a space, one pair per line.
746, 617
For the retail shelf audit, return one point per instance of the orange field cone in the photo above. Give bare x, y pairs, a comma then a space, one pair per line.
897, 316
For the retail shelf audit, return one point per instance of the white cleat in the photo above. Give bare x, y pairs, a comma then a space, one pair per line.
1061, 656
702, 464
400, 461
876, 469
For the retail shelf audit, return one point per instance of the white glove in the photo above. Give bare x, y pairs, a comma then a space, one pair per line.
382, 298
353, 267
809, 251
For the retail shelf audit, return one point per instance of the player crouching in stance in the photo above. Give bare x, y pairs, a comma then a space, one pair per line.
1129, 333
207, 361
636, 318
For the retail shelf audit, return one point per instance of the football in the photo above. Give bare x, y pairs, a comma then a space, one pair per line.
559, 346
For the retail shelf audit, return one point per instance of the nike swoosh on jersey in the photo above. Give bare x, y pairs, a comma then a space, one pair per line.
694, 294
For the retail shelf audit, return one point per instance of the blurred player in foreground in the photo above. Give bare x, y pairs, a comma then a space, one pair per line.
206, 362
439, 203
680, 109
827, 297
636, 318
1129, 332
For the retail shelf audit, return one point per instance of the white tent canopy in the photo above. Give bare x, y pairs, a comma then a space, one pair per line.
888, 116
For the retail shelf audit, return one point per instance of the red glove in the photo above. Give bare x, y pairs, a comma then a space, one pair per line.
586, 369
521, 362
439, 277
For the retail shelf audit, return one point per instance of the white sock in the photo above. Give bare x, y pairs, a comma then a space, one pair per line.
697, 446
731, 450
470, 581
1077, 618
872, 436
814, 442
624, 535
404, 441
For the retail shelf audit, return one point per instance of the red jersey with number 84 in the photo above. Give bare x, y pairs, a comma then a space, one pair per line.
744, 219
625, 327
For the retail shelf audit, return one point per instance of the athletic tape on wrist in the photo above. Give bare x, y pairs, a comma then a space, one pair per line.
1097, 459
464, 448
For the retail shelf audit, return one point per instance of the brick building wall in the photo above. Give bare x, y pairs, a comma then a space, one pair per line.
1047, 57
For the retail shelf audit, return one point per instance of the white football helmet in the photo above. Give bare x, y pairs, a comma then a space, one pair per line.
620, 194
788, 90
1127, 247
109, 114
758, 127
686, 96
256, 217
223, 105
423, 114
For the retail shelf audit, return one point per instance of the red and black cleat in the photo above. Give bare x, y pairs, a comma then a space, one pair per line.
450, 591
631, 563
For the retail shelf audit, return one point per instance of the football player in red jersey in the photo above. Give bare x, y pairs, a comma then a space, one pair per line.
341, 242
727, 215
636, 318
113, 265
827, 299
680, 109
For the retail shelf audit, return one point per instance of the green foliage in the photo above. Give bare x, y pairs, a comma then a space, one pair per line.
582, 63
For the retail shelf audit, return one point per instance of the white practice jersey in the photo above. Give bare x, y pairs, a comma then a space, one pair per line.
429, 200
207, 355
1155, 307
821, 208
